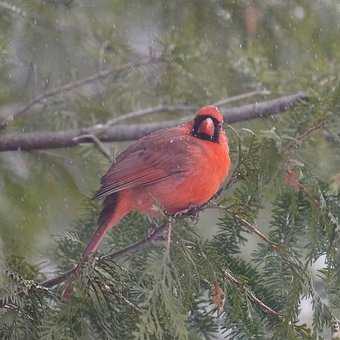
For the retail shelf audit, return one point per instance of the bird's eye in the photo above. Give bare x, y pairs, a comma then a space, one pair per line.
207, 127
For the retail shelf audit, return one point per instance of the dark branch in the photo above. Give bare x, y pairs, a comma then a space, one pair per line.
124, 132
262, 109
155, 235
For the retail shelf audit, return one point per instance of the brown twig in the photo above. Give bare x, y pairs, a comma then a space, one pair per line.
124, 132
253, 228
152, 110
229, 277
300, 138
242, 96
73, 85
57, 280
291, 178
101, 147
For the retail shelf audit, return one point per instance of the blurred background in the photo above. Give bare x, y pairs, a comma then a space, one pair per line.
216, 49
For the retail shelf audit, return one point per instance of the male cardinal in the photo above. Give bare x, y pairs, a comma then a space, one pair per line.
173, 169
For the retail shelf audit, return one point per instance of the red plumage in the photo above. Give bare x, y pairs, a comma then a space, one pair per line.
171, 169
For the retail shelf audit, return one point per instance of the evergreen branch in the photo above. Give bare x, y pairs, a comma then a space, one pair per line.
233, 176
57, 280
124, 132
27, 287
253, 228
291, 177
154, 235
293, 181
302, 137
232, 279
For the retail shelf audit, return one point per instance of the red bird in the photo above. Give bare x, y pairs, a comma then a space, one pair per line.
173, 169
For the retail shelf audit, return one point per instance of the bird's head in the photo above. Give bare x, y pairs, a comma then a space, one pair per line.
208, 123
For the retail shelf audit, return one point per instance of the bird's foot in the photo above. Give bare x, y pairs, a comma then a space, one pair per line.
153, 231
192, 211
161, 233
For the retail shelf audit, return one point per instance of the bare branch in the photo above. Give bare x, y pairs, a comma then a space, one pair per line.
262, 109
124, 132
101, 147
182, 108
300, 138
242, 96
152, 110
73, 85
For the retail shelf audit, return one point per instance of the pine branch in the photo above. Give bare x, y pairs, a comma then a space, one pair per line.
232, 279
298, 140
155, 235
253, 228
124, 132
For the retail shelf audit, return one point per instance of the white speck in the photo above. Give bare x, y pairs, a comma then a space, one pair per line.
299, 12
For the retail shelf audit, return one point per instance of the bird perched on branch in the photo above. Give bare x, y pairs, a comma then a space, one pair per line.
174, 169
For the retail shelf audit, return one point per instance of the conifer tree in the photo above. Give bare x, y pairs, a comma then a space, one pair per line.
275, 206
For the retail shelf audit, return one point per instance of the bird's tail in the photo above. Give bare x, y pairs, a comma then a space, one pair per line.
115, 208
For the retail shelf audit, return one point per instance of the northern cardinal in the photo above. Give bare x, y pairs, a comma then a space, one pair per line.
173, 169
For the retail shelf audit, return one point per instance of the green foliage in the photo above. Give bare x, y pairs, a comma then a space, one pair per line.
161, 293
278, 217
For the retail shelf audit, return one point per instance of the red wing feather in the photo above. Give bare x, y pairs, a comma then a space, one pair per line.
151, 159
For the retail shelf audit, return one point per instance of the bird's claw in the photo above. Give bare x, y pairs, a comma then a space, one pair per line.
154, 235
192, 211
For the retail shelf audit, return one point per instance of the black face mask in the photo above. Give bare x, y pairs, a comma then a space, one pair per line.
198, 131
